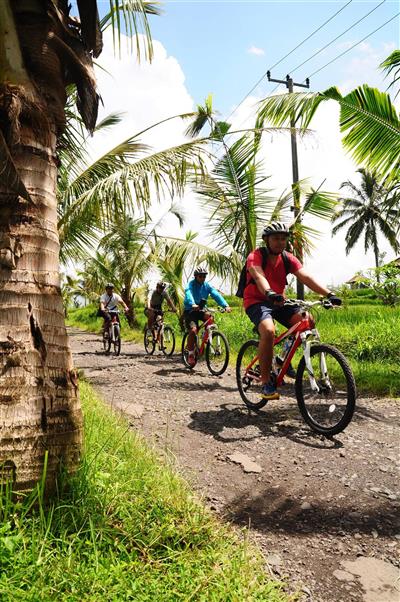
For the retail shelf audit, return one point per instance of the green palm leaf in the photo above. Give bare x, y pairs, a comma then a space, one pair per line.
368, 121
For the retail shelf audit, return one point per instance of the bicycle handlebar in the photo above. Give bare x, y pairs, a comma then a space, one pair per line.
325, 303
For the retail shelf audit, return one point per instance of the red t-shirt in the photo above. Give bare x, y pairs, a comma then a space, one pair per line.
276, 276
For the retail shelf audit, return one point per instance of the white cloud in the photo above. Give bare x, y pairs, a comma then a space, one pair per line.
363, 66
256, 51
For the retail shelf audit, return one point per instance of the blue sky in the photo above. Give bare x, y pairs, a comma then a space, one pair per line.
211, 42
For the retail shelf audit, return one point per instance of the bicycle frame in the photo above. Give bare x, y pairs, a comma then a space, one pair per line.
304, 332
207, 325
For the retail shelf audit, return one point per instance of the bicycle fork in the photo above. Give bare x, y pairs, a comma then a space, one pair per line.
305, 336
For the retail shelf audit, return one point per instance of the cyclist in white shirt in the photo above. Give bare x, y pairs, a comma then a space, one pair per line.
108, 303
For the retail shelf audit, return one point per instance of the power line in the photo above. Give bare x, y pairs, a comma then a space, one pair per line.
319, 51
354, 45
337, 37
286, 55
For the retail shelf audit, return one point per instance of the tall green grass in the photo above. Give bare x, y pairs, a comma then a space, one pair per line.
368, 335
126, 527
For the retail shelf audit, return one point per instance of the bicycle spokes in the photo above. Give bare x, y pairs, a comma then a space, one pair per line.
217, 353
325, 389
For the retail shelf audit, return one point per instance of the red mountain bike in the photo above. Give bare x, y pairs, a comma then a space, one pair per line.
160, 334
325, 386
213, 342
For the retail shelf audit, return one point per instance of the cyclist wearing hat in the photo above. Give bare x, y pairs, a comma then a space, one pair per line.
264, 300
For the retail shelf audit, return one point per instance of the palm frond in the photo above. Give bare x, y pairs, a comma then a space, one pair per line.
130, 16
392, 64
368, 121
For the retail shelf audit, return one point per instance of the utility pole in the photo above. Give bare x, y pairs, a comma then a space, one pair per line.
289, 83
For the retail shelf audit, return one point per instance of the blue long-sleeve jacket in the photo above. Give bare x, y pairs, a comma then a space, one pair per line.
195, 292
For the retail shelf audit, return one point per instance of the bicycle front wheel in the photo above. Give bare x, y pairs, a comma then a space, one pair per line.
116, 339
168, 341
106, 342
217, 353
329, 409
248, 375
185, 352
149, 342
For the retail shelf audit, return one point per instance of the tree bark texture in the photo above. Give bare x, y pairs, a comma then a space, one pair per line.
39, 403
41, 51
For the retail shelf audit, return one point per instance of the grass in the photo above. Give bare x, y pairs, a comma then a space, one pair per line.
127, 527
368, 334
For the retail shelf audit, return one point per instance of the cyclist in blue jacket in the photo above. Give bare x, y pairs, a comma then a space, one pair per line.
196, 294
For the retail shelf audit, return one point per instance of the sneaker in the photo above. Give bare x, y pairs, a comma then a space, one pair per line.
290, 372
268, 391
191, 360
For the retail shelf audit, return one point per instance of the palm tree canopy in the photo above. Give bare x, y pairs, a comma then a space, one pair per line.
125, 179
368, 120
366, 212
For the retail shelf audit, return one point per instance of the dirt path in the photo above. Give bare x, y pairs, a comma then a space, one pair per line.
324, 512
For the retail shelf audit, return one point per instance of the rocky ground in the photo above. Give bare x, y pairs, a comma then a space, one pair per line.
324, 512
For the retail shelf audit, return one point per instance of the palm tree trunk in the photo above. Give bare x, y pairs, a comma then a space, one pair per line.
39, 401
376, 253
128, 299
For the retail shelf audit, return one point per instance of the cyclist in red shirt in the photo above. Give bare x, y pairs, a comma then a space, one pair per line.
264, 299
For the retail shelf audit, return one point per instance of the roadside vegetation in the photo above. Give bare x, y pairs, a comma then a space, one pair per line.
126, 526
366, 331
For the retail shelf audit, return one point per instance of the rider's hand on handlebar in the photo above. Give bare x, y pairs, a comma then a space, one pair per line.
334, 299
275, 298
195, 307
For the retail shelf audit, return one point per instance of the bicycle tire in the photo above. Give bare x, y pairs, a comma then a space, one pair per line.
106, 343
168, 341
149, 342
185, 352
249, 386
339, 369
220, 340
117, 339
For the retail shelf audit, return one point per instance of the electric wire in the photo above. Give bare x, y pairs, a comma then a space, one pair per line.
339, 55
286, 55
337, 37
354, 45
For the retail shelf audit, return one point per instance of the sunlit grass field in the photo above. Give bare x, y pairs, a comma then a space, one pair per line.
125, 527
367, 333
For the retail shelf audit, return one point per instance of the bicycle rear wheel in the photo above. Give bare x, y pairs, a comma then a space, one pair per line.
149, 342
185, 352
116, 339
248, 375
217, 353
330, 409
168, 341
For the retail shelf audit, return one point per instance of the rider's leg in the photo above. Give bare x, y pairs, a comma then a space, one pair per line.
266, 328
150, 318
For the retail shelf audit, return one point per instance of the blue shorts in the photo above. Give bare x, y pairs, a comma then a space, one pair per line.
261, 311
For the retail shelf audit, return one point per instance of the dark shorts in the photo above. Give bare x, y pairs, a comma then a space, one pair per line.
191, 317
108, 315
261, 311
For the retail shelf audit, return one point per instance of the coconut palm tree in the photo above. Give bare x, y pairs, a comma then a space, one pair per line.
236, 220
125, 179
365, 213
42, 52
